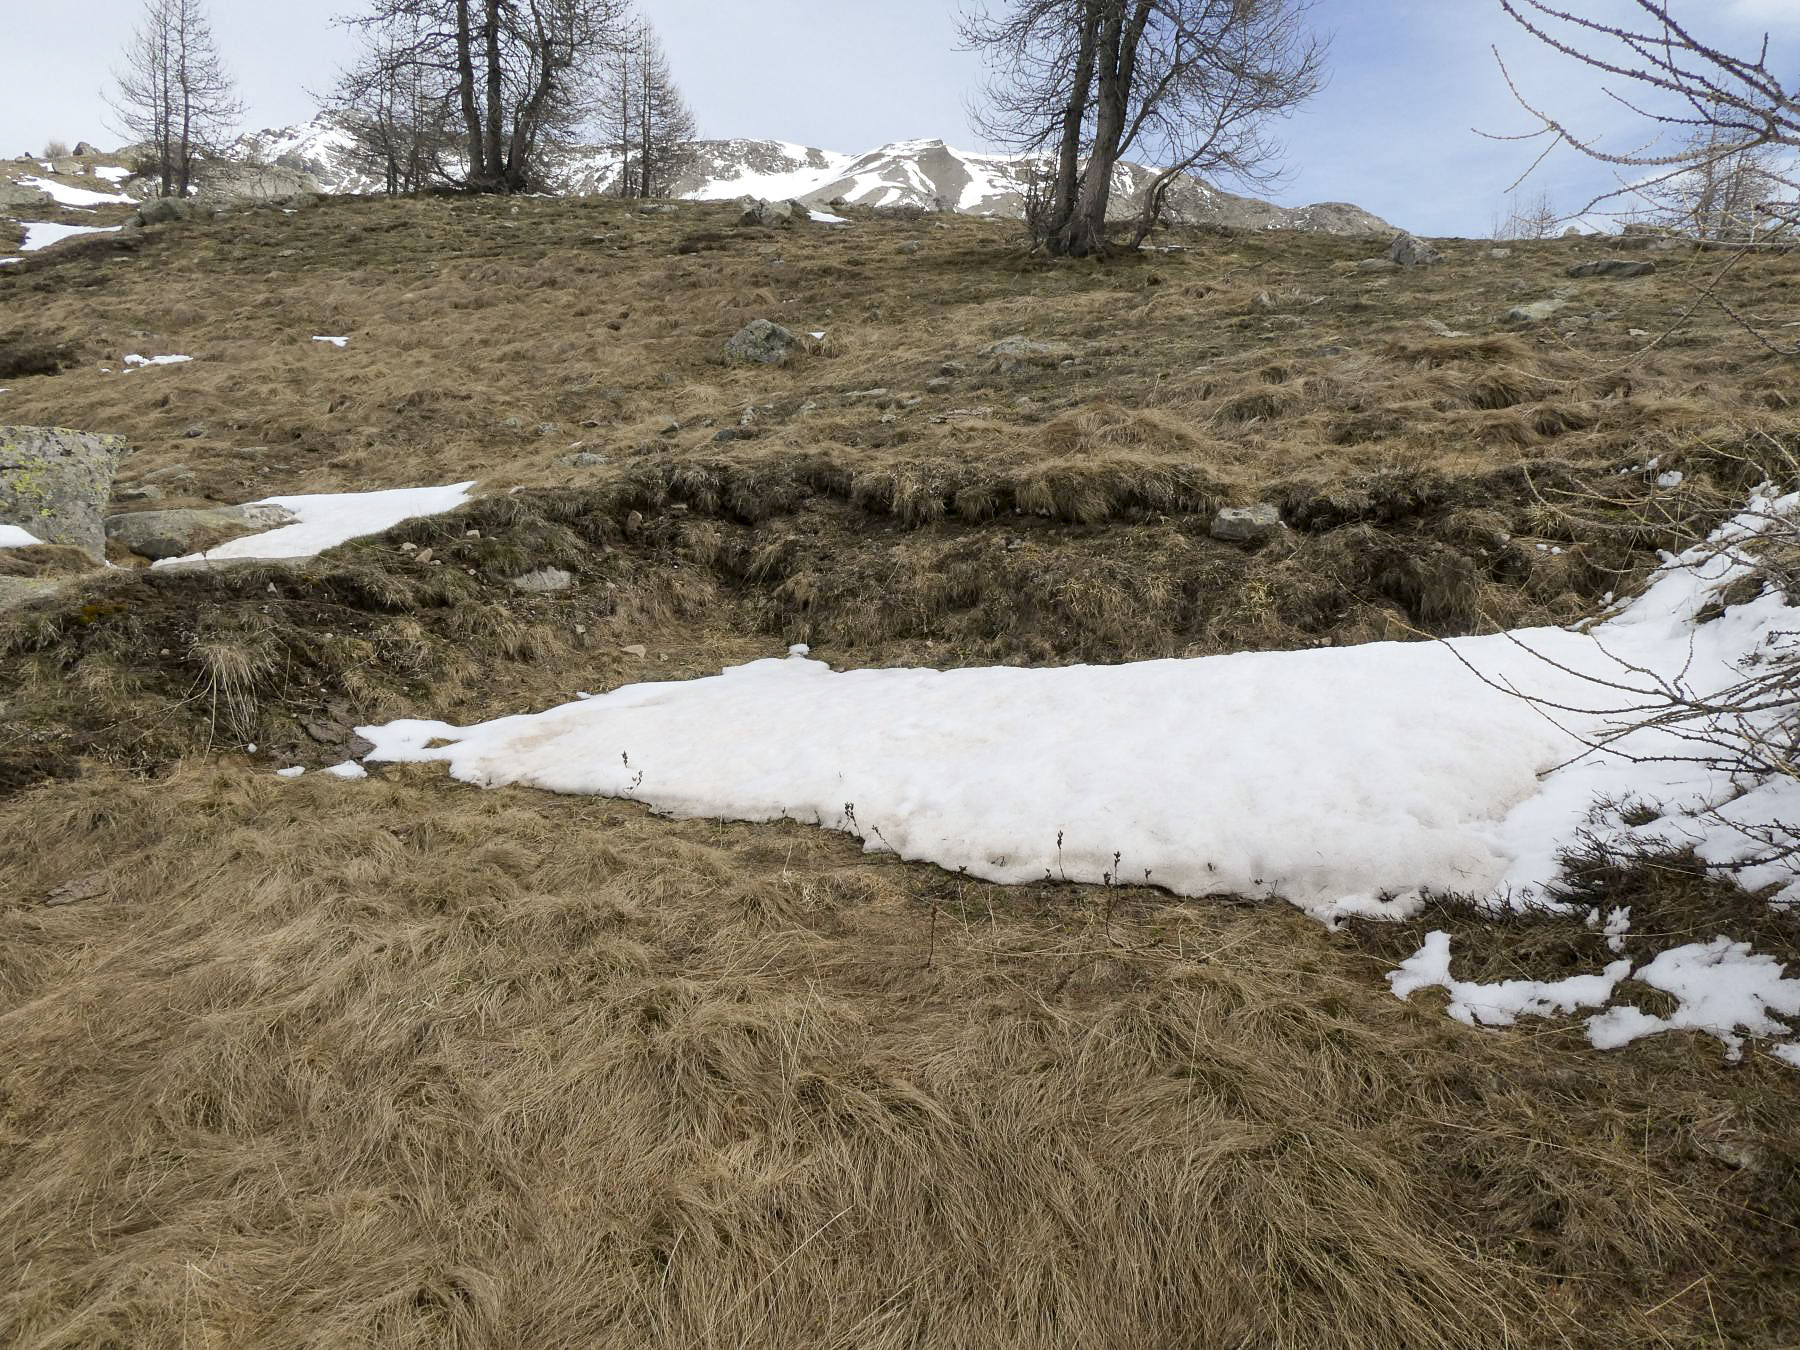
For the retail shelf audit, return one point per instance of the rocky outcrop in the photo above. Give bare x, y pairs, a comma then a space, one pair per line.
55, 483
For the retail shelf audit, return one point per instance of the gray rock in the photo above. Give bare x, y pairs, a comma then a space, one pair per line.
762, 342
12, 195
911, 246
1015, 354
1246, 524
543, 581
175, 534
1378, 265
582, 459
1438, 328
1410, 251
938, 383
165, 211
1615, 268
1536, 311
1498, 253
84, 148
772, 215
56, 483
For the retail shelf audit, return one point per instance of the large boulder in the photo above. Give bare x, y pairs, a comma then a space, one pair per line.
177, 533
55, 483
762, 343
166, 210
1410, 251
774, 215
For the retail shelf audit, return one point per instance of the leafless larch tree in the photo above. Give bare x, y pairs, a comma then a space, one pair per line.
1189, 85
174, 97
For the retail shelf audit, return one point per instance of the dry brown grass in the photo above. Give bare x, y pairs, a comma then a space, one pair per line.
402, 1064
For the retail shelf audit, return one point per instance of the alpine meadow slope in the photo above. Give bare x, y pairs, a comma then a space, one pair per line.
390, 1060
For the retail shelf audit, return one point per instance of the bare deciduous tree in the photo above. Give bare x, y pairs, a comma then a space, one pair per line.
1728, 110
174, 96
1721, 197
520, 76
399, 113
1191, 85
1533, 217
645, 118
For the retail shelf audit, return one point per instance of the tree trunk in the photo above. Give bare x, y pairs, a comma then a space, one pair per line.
465, 72
1068, 152
1085, 232
496, 164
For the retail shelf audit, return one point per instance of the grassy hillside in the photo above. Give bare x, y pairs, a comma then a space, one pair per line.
404, 1063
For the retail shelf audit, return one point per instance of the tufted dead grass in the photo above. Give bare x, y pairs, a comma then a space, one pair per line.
403, 1064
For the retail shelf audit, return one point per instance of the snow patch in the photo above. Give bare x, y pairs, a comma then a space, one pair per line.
64, 195
1502, 1004
339, 342
137, 362
329, 519
13, 536
40, 235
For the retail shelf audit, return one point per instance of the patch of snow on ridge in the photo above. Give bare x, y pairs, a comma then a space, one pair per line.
137, 362
112, 173
329, 519
15, 536
64, 195
42, 235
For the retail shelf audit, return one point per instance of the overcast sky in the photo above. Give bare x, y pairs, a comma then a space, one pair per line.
1393, 132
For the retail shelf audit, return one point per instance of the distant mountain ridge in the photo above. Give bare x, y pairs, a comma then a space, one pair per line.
928, 174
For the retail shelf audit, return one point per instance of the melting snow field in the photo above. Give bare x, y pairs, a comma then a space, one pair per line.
40, 236
1349, 781
64, 195
12, 536
329, 519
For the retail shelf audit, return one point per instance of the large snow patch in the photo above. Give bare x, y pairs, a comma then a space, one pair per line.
332, 518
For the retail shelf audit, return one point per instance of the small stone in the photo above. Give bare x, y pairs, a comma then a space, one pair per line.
722, 437
1534, 312
547, 428
939, 383
194, 433
543, 581
1498, 253
1410, 251
471, 534
1246, 524
636, 649
667, 426
422, 556
409, 547
911, 246
1613, 268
